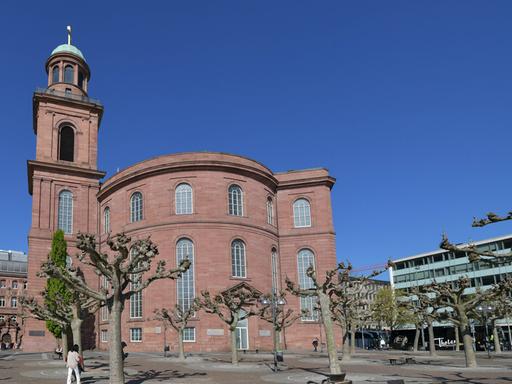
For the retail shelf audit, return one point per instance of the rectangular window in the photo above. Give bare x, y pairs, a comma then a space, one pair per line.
189, 334
136, 305
2, 284
104, 336
104, 313
2, 301
14, 284
14, 302
135, 335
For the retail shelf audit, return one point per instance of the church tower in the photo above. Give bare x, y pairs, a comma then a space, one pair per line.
63, 178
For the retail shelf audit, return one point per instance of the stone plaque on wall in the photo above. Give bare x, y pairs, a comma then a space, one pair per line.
265, 332
36, 333
158, 329
215, 332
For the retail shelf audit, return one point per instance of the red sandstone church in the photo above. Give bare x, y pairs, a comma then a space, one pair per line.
234, 218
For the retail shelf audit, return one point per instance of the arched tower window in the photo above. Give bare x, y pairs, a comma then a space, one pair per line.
55, 74
69, 74
306, 259
183, 199
301, 213
270, 211
106, 220
67, 144
236, 203
136, 207
185, 284
65, 212
238, 266
80, 79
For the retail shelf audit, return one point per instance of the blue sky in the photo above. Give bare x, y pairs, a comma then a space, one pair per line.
407, 103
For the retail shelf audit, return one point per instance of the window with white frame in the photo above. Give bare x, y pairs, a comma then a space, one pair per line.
65, 212
135, 298
189, 334
106, 220
104, 335
270, 211
14, 302
306, 259
2, 301
136, 207
301, 213
238, 268
275, 273
2, 284
135, 335
183, 199
236, 202
13, 318
25, 285
104, 309
185, 284
2, 318
14, 284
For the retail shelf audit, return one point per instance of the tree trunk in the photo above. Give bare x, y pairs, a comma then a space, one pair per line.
457, 338
65, 342
76, 330
116, 358
467, 340
180, 345
416, 339
352, 341
334, 365
496, 337
346, 346
431, 341
234, 350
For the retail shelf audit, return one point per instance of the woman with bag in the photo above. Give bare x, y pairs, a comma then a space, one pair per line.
73, 362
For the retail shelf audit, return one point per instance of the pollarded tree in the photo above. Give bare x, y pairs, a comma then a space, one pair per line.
232, 306
458, 306
283, 319
178, 319
322, 291
424, 307
125, 272
501, 308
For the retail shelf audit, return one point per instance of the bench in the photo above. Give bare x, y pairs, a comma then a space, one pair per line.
406, 360
58, 354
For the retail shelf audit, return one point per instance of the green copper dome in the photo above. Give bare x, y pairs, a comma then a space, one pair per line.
68, 48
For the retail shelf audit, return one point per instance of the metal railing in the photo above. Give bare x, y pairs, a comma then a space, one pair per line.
68, 95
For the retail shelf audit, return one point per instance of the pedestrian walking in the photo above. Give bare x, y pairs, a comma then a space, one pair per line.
74, 363
315, 344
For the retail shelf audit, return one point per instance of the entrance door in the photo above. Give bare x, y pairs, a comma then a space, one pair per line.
242, 335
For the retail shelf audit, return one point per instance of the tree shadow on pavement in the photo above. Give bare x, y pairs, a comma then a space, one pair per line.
162, 375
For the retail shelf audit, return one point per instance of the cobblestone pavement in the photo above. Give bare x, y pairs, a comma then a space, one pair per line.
365, 367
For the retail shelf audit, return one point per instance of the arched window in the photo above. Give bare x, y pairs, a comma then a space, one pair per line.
67, 144
275, 271
106, 220
65, 212
136, 298
270, 211
80, 79
236, 201
136, 207
55, 74
183, 199
305, 259
238, 259
69, 74
185, 284
301, 213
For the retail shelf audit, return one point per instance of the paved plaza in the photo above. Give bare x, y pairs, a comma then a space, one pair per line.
365, 367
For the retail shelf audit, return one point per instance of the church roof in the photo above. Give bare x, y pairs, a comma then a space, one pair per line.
68, 48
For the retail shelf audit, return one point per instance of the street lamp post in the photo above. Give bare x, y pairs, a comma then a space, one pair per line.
274, 301
485, 309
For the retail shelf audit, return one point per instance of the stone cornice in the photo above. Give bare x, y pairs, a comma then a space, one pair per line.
63, 169
119, 181
327, 181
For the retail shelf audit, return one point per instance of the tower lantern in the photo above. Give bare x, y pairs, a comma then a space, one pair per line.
67, 69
